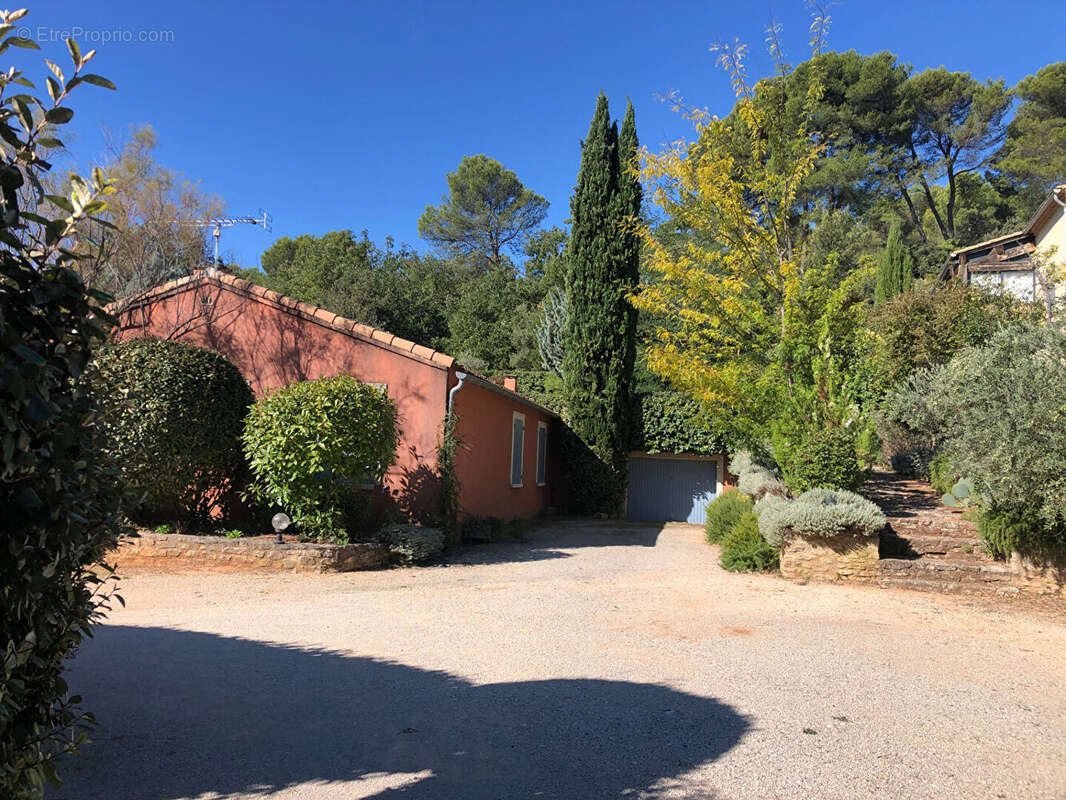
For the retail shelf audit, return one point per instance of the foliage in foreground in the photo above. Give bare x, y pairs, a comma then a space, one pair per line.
745, 550
313, 444
172, 416
59, 497
723, 513
821, 514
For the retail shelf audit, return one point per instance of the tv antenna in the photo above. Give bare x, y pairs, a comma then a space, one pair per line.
216, 224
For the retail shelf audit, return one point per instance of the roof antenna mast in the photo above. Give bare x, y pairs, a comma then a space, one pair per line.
216, 224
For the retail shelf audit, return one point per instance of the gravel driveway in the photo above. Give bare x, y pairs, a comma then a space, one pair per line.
593, 660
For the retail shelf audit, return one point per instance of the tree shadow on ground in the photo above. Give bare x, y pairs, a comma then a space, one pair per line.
184, 714
545, 539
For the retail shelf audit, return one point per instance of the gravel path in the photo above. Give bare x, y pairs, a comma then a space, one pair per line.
592, 661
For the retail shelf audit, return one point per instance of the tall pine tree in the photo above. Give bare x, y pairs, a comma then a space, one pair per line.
603, 267
895, 269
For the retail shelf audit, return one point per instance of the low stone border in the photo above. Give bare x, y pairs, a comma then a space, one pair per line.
252, 553
840, 558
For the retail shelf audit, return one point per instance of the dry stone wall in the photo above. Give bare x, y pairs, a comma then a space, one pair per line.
840, 558
173, 550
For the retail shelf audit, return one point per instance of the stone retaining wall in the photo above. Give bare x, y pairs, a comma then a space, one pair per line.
172, 550
1030, 576
840, 558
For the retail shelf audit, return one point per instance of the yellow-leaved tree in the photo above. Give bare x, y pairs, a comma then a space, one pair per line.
741, 322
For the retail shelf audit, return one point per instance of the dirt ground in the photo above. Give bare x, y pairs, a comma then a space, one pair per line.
590, 661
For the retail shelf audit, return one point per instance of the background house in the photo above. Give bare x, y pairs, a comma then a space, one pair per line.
505, 463
1007, 262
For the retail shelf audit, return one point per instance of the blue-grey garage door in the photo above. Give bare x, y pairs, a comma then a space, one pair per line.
670, 489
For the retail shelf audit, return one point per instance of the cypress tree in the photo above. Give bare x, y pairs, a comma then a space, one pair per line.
895, 269
599, 346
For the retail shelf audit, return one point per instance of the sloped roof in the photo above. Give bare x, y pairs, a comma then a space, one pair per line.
1038, 219
291, 305
318, 315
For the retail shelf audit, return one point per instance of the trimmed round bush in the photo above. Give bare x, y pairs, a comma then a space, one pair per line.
311, 447
745, 550
171, 417
723, 513
821, 514
826, 458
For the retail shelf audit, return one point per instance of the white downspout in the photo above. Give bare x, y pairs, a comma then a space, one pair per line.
451, 393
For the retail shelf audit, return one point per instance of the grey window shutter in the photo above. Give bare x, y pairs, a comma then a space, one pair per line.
518, 435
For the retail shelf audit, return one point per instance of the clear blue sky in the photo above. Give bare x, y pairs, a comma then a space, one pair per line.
348, 114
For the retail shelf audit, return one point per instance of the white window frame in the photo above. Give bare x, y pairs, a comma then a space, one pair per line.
517, 415
542, 458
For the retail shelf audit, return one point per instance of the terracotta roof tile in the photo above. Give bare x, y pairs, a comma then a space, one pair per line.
383, 336
443, 359
422, 352
324, 315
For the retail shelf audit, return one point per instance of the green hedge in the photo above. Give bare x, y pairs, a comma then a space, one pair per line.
171, 415
312, 445
670, 422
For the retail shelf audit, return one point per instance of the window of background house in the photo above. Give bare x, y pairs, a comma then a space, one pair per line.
542, 452
518, 441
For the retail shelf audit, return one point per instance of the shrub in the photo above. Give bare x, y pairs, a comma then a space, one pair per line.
826, 457
767, 502
1008, 530
760, 484
723, 513
745, 550
411, 544
482, 530
59, 495
941, 476
921, 328
821, 514
754, 479
312, 445
594, 485
172, 415
996, 412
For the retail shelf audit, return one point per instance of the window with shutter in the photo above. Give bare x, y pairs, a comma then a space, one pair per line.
518, 440
542, 452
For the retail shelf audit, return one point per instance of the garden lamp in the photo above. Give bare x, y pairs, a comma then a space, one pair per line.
280, 521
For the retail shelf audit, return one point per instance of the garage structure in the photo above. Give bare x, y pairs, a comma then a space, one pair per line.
668, 487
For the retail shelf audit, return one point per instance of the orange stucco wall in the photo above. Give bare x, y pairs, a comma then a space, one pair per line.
273, 347
483, 463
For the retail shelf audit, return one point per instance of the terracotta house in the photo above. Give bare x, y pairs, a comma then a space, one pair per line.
506, 464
